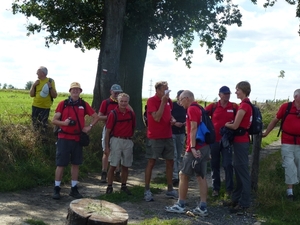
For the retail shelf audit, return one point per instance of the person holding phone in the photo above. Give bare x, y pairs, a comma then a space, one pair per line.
159, 133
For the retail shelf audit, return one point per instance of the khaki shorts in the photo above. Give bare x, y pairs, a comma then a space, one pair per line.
121, 149
188, 158
160, 148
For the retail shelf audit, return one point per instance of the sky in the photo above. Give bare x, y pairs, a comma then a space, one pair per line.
266, 43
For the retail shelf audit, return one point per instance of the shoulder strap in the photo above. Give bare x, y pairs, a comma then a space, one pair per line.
115, 121
213, 109
287, 111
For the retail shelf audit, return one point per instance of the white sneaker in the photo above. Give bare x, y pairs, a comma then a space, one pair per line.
176, 208
200, 212
148, 196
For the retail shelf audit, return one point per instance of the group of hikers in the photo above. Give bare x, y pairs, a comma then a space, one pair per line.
171, 135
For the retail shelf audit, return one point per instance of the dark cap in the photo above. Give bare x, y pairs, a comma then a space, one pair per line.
225, 90
179, 93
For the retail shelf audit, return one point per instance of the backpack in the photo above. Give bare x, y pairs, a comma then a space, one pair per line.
208, 131
56, 128
124, 120
50, 80
257, 123
287, 111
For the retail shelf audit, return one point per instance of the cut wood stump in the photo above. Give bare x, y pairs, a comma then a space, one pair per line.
87, 211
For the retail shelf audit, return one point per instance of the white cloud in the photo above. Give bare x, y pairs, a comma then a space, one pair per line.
266, 43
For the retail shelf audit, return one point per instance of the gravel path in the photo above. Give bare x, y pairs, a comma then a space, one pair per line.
36, 203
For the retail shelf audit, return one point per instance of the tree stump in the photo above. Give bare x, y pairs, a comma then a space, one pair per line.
89, 212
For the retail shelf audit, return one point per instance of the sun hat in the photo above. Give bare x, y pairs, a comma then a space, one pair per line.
116, 88
75, 85
45, 91
225, 90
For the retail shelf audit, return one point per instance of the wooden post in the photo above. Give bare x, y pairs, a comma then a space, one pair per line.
256, 147
91, 212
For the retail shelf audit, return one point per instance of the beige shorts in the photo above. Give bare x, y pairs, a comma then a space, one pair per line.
121, 149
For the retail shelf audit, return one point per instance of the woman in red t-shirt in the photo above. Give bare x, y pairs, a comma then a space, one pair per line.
240, 199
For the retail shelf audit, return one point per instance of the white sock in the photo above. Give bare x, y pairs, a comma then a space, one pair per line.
57, 183
289, 191
73, 183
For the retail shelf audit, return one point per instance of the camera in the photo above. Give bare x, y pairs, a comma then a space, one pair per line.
72, 123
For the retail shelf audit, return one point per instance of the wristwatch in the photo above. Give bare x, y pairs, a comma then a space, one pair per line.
91, 125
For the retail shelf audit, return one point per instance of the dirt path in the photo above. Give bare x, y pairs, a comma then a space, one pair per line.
37, 203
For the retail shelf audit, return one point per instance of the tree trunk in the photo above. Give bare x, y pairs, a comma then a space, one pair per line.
133, 56
256, 146
90, 212
109, 56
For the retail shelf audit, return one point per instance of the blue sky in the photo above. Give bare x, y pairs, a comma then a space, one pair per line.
267, 43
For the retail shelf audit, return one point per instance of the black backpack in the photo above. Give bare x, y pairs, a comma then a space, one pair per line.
287, 111
57, 129
257, 123
210, 137
121, 121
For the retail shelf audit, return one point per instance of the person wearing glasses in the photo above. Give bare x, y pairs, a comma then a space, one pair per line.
221, 112
290, 141
193, 150
106, 106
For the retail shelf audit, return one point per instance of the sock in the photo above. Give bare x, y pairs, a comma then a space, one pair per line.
289, 191
202, 205
57, 183
74, 183
181, 203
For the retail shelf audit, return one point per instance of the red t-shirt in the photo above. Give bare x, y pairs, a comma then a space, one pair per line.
104, 109
246, 121
69, 112
124, 125
193, 114
221, 115
290, 125
163, 128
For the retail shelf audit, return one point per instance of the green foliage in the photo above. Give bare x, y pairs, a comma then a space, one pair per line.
157, 221
28, 85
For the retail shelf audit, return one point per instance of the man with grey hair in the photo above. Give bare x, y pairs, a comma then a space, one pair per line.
120, 127
43, 92
194, 150
289, 114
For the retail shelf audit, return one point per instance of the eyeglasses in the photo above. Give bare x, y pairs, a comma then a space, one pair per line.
182, 98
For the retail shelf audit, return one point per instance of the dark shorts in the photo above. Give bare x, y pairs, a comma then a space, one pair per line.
68, 151
188, 157
160, 148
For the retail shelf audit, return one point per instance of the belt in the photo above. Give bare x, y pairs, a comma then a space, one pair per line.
127, 138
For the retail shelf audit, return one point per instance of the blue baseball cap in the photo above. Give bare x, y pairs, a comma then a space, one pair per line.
225, 90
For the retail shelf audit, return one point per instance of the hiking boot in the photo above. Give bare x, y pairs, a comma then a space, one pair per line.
56, 194
200, 211
117, 177
109, 189
215, 193
148, 196
74, 192
172, 194
230, 203
126, 190
176, 208
103, 177
238, 209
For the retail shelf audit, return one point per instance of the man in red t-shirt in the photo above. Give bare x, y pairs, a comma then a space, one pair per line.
193, 150
290, 141
70, 118
221, 112
159, 133
120, 126
106, 106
